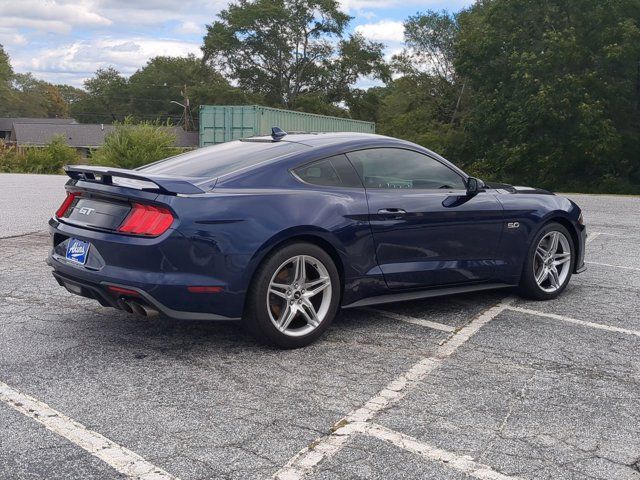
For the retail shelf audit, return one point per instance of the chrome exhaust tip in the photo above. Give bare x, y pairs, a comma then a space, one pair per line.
137, 309
149, 311
142, 311
124, 305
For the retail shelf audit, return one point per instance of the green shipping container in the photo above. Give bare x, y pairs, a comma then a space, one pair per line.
222, 123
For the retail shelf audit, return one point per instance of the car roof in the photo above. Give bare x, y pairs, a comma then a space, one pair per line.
326, 138
321, 145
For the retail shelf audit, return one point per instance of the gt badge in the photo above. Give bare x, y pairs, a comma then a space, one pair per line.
86, 210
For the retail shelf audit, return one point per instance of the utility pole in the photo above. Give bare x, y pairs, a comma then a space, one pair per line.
186, 109
185, 104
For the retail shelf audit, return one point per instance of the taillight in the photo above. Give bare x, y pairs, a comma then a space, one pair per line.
66, 204
147, 220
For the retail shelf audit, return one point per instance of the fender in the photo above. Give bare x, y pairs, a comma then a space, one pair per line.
301, 232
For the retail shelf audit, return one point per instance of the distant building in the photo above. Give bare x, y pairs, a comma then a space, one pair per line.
82, 136
6, 124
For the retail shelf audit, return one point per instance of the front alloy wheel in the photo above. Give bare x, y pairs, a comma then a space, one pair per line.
552, 262
549, 263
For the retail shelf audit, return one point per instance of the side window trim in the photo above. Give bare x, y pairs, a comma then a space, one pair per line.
464, 180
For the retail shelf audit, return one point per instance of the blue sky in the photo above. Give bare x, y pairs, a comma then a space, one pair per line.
65, 41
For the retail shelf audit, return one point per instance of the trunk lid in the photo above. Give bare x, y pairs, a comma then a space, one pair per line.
108, 199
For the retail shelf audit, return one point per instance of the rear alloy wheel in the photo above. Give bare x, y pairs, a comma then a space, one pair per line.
549, 264
294, 296
299, 295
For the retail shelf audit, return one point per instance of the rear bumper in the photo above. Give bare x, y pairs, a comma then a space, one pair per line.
100, 293
160, 270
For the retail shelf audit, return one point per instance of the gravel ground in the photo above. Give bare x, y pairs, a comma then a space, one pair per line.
524, 390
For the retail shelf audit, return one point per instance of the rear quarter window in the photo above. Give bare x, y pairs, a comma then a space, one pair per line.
334, 171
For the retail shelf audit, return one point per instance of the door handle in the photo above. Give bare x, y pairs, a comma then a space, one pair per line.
392, 212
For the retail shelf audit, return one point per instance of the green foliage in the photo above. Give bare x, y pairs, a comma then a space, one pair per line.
22, 95
106, 98
430, 40
131, 145
545, 92
6, 75
282, 49
48, 159
164, 79
555, 92
8, 161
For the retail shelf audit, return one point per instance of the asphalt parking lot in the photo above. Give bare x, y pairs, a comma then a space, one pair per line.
483, 386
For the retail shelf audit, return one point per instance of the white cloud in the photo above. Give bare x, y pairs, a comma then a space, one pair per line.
81, 59
67, 40
10, 37
355, 5
366, 14
190, 28
382, 31
188, 13
51, 15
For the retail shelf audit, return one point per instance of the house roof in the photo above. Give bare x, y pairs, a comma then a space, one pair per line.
82, 135
6, 123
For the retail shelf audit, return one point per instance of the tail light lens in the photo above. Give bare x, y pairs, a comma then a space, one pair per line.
147, 220
71, 196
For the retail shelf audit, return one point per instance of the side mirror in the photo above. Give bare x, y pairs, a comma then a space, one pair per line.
474, 185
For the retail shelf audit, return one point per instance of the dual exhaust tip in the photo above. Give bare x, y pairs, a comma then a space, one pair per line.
138, 309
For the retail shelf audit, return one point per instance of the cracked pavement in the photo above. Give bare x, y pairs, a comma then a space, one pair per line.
529, 396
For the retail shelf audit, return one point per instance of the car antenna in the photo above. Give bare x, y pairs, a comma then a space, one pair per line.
277, 134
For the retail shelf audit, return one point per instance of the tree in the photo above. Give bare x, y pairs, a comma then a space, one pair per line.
429, 57
556, 91
70, 94
6, 77
29, 96
106, 100
164, 79
422, 104
23, 95
284, 49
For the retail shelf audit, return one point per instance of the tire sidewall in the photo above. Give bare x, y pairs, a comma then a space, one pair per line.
257, 314
529, 287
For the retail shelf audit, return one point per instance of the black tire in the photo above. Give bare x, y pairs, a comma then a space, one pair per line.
528, 287
257, 318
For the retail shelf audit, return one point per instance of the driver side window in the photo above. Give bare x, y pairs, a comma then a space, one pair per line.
395, 168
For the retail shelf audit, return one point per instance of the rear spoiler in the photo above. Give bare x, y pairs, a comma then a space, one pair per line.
104, 175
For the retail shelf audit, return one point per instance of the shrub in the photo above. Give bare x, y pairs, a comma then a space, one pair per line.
48, 159
51, 158
7, 158
130, 146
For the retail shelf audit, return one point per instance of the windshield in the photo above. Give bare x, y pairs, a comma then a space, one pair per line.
218, 160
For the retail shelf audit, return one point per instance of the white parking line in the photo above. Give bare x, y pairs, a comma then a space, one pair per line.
415, 321
462, 463
613, 234
583, 323
592, 236
120, 458
614, 266
309, 457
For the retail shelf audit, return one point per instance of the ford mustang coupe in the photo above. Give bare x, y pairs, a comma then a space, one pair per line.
282, 231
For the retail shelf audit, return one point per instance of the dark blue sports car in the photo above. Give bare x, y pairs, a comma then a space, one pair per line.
282, 231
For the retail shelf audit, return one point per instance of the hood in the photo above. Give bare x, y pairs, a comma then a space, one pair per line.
517, 189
